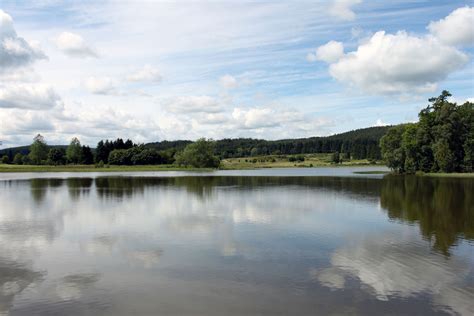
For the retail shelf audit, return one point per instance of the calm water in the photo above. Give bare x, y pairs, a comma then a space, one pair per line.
276, 243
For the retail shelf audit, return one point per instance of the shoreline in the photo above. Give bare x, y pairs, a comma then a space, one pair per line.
151, 168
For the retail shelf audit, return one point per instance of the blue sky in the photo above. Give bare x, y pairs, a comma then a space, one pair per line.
187, 69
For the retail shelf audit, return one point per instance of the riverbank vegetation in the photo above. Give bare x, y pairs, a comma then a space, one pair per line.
361, 144
441, 141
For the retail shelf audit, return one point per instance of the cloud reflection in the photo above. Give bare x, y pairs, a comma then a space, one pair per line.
393, 267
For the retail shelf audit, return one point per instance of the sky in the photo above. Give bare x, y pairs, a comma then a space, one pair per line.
166, 70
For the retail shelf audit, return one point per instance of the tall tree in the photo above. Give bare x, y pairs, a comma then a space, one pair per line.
74, 151
87, 157
38, 150
442, 140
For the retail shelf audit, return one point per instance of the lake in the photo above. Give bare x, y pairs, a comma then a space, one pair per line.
257, 242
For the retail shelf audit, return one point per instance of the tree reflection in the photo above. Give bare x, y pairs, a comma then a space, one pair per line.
443, 208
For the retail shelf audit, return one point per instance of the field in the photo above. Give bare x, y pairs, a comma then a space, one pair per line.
272, 161
283, 161
92, 168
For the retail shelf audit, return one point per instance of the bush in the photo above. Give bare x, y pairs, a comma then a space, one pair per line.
146, 157
18, 159
5, 159
56, 156
199, 154
120, 157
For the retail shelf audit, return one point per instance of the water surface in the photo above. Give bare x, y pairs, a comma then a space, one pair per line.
229, 244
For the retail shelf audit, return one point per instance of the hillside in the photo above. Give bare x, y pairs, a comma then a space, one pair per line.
360, 143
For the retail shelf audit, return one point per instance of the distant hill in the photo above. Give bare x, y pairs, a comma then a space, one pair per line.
360, 143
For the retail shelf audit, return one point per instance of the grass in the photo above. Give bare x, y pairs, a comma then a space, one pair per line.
281, 161
92, 168
271, 161
450, 175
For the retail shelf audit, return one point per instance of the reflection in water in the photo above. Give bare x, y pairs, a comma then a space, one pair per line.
14, 278
236, 245
393, 267
443, 208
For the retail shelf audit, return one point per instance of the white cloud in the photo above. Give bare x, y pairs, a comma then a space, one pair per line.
329, 52
194, 104
26, 123
212, 118
379, 122
228, 82
342, 9
33, 97
146, 74
398, 63
455, 29
263, 117
100, 85
74, 45
15, 51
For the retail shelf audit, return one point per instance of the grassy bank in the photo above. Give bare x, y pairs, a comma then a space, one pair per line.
92, 168
272, 161
450, 175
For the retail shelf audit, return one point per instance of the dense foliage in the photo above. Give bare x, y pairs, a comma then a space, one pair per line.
357, 144
442, 140
199, 154
104, 149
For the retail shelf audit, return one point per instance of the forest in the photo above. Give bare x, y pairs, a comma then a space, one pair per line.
441, 141
357, 144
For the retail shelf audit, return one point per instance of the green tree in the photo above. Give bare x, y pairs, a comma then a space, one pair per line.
38, 150
56, 156
442, 140
74, 151
5, 159
87, 157
444, 157
391, 147
410, 146
18, 159
199, 154
146, 156
335, 157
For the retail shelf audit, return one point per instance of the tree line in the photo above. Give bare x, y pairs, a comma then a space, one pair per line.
441, 141
199, 154
357, 144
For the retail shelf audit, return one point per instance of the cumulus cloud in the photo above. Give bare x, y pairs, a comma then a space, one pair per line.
74, 45
342, 9
212, 118
228, 82
398, 63
329, 52
263, 117
100, 85
25, 123
14, 50
194, 104
33, 97
455, 29
146, 74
